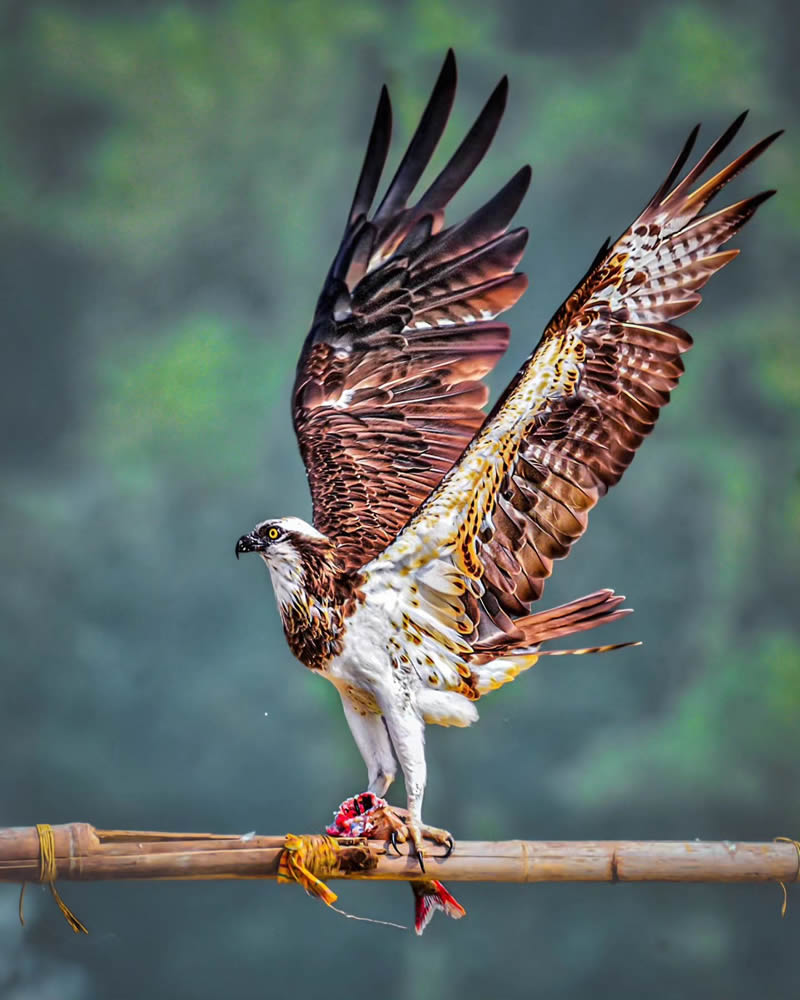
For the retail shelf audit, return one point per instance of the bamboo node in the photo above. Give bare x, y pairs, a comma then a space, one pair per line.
48, 873
312, 859
781, 883
526, 862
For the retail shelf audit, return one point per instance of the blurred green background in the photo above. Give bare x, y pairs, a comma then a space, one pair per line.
173, 183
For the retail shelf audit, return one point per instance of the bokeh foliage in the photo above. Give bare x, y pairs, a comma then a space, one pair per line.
173, 182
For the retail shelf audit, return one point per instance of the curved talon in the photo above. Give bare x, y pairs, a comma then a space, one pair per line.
450, 846
420, 859
393, 842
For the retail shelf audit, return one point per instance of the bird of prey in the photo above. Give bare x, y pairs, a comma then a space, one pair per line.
435, 524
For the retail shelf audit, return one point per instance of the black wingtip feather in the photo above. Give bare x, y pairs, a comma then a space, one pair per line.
423, 142
730, 132
666, 196
470, 152
483, 226
705, 161
374, 158
492, 218
498, 211
763, 196
676, 167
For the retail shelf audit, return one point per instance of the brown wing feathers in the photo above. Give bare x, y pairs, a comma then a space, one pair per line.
388, 390
389, 386
622, 311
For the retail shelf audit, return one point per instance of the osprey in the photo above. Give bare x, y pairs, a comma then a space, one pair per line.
435, 525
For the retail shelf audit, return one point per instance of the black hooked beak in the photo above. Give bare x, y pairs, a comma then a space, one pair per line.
249, 543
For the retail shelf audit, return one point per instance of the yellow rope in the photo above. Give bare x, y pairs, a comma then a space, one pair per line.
48, 872
781, 883
309, 860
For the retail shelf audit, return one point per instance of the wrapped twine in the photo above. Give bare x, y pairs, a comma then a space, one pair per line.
48, 873
311, 860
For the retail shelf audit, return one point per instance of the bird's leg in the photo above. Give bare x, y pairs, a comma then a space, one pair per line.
359, 815
367, 814
372, 739
407, 732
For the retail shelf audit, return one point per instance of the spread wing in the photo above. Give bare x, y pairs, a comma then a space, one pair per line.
478, 551
388, 390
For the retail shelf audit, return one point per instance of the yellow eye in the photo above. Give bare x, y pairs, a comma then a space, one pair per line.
272, 534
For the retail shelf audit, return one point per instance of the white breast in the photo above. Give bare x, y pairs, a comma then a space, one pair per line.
365, 661
379, 660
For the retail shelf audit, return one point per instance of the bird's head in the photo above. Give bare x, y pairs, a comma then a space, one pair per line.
301, 560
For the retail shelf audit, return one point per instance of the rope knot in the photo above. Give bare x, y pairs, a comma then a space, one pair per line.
310, 860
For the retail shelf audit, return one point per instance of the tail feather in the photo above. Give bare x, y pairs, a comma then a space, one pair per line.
588, 649
494, 668
587, 612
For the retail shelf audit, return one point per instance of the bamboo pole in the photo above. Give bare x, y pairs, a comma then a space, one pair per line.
83, 853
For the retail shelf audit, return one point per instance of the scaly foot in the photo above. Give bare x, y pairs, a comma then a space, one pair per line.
403, 828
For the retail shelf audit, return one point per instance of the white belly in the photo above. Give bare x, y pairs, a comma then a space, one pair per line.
374, 669
363, 670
